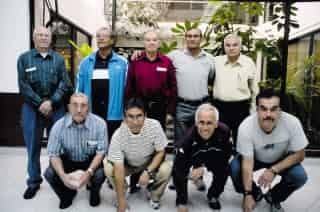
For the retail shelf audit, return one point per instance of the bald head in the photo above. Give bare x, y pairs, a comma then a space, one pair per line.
151, 41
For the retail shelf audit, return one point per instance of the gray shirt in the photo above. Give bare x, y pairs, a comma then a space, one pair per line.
288, 136
78, 141
192, 73
137, 149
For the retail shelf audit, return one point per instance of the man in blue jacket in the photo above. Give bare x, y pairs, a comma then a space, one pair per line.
102, 77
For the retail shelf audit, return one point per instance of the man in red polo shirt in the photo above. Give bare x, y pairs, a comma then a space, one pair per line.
152, 78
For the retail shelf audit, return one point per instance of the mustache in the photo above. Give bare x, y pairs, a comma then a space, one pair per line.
268, 118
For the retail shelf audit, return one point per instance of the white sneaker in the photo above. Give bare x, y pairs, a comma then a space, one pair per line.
199, 183
154, 204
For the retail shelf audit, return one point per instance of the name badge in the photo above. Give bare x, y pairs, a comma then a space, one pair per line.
100, 74
31, 69
161, 69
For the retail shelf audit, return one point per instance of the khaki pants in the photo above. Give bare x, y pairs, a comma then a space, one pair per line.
161, 179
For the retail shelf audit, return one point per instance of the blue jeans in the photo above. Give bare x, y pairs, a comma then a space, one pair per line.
33, 124
292, 179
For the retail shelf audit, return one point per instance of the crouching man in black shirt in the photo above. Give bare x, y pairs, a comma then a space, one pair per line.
204, 145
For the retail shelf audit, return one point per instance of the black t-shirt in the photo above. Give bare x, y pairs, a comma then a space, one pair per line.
100, 87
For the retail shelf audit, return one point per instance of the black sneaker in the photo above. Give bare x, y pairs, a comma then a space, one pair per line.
172, 187
65, 203
134, 189
109, 184
214, 203
268, 197
276, 207
257, 194
30, 192
94, 198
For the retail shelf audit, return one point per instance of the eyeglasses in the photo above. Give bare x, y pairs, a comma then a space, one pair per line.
138, 117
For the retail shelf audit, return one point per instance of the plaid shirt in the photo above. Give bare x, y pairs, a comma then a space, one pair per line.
42, 78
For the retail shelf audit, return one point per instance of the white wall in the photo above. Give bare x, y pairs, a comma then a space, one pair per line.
308, 18
14, 24
88, 14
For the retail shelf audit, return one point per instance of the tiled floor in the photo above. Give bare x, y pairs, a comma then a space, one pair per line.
12, 184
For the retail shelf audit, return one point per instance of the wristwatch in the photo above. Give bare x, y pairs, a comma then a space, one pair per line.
246, 193
273, 171
150, 173
90, 171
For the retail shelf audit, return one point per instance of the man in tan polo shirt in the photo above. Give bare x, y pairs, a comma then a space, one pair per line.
236, 84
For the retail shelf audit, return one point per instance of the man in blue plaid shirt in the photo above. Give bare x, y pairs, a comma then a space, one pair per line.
43, 83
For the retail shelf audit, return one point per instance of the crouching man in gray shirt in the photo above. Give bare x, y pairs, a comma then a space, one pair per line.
274, 140
77, 145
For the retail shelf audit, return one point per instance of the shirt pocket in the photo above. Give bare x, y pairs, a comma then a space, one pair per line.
32, 74
92, 146
53, 76
242, 78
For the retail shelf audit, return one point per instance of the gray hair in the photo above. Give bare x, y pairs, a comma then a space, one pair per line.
152, 31
207, 107
36, 31
79, 94
104, 28
233, 36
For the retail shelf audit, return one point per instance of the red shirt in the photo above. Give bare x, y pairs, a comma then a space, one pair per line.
153, 81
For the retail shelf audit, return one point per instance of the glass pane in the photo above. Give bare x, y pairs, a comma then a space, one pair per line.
61, 33
81, 39
317, 47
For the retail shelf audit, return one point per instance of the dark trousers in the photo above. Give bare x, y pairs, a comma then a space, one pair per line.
157, 110
292, 179
232, 114
33, 124
112, 126
63, 192
216, 163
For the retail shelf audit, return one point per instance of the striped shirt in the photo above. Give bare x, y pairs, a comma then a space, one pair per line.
42, 78
136, 150
78, 141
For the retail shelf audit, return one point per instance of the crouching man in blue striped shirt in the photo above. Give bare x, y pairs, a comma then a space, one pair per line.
77, 145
